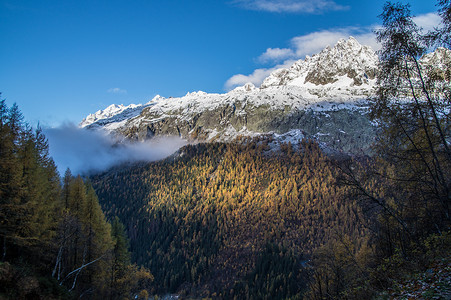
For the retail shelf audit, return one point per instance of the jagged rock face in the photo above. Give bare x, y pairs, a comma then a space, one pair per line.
340, 126
346, 130
437, 65
346, 60
323, 97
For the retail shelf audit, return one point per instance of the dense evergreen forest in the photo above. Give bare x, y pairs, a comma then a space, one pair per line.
55, 240
214, 217
243, 220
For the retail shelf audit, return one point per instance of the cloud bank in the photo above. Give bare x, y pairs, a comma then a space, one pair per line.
86, 151
290, 6
428, 21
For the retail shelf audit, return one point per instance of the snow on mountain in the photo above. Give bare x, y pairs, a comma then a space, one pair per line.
439, 59
345, 72
309, 96
110, 112
348, 65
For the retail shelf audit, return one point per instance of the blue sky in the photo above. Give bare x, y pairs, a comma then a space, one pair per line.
61, 60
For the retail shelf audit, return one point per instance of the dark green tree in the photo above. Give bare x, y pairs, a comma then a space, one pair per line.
11, 208
120, 259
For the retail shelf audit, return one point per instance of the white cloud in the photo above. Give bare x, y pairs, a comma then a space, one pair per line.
275, 54
85, 151
427, 21
117, 91
290, 6
316, 41
256, 77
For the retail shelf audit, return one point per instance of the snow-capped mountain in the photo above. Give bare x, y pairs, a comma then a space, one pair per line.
323, 96
348, 68
344, 72
111, 111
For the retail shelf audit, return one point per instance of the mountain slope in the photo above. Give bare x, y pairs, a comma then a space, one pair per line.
321, 97
201, 221
347, 69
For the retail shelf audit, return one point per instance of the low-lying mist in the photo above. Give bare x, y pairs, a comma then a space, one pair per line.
88, 151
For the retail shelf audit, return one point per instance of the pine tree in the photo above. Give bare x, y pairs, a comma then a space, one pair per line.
54, 230
120, 259
85, 241
10, 177
29, 185
98, 241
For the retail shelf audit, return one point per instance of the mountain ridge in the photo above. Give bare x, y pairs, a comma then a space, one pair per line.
279, 78
323, 97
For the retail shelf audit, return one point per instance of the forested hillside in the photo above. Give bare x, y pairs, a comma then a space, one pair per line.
245, 219
55, 240
203, 220
241, 221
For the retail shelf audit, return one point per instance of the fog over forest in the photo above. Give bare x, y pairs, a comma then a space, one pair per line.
85, 151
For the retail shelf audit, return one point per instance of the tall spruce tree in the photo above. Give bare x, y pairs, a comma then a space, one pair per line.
57, 230
98, 240
120, 259
85, 240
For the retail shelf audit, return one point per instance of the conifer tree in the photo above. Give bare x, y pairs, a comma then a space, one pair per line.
10, 177
120, 259
29, 185
58, 231
99, 241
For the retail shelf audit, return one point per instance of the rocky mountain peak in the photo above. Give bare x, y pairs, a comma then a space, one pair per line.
347, 63
321, 97
108, 112
440, 58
